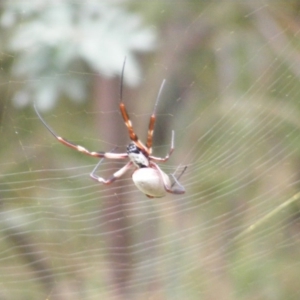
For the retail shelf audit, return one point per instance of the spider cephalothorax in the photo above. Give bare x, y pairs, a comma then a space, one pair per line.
137, 156
148, 177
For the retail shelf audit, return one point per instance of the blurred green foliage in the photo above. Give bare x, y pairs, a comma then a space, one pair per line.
51, 40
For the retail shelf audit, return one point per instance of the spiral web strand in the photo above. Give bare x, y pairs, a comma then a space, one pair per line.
234, 234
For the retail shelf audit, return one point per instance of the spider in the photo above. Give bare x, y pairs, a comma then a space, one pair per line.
148, 176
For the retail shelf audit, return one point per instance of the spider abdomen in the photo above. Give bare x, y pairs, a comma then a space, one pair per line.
149, 181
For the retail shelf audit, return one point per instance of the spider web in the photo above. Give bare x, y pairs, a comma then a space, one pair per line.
232, 91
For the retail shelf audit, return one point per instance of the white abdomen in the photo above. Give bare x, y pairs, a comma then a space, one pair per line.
148, 181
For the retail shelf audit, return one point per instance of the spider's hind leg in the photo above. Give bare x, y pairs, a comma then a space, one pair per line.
173, 188
176, 187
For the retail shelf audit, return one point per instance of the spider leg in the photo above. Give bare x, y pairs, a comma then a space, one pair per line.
178, 177
78, 147
179, 190
176, 180
163, 159
128, 124
126, 118
153, 119
115, 176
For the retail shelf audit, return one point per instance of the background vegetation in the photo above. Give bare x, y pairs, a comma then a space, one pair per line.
232, 97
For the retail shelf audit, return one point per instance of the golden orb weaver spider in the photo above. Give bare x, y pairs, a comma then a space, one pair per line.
148, 177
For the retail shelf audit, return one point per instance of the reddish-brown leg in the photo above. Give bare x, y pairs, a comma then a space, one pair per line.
152, 120
126, 118
79, 148
128, 124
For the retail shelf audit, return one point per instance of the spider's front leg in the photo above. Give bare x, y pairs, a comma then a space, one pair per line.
115, 176
100, 154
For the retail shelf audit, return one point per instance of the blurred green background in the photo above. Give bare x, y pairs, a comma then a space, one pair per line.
231, 95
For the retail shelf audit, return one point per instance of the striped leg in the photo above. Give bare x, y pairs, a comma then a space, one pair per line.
78, 147
153, 119
128, 124
126, 118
